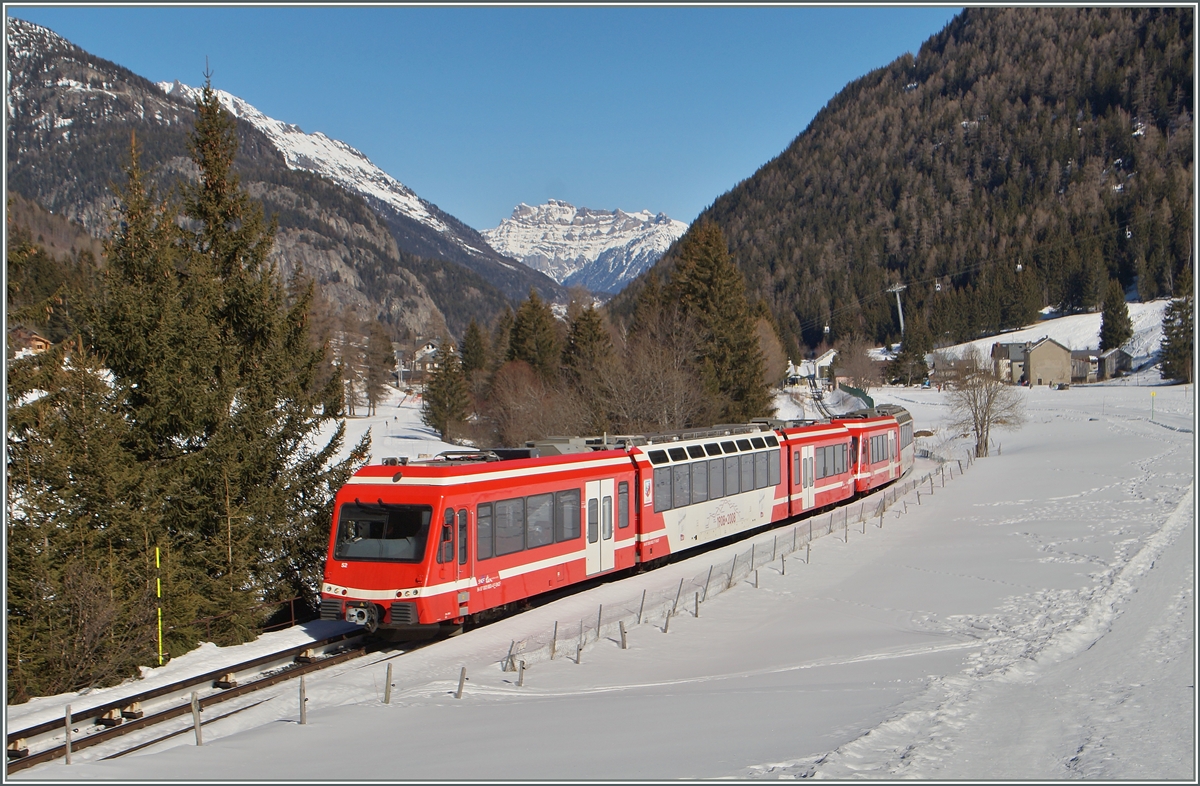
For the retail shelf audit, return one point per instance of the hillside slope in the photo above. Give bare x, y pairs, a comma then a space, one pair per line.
1023, 158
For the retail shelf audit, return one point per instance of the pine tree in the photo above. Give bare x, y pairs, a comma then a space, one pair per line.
446, 398
474, 349
1178, 342
535, 338
1115, 325
223, 399
502, 337
710, 288
589, 365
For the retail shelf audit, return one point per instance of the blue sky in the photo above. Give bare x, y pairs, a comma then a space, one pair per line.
479, 109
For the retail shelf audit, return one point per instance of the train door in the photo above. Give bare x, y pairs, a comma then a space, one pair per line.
809, 466
893, 457
598, 533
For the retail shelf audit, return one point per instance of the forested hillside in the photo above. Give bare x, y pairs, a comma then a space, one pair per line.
1022, 159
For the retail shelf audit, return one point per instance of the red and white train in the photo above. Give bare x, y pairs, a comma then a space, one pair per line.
426, 544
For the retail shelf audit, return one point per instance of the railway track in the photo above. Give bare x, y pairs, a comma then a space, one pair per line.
104, 723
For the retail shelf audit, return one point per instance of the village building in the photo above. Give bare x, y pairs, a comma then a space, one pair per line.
1048, 362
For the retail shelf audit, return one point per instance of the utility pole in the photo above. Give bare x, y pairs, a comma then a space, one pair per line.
898, 288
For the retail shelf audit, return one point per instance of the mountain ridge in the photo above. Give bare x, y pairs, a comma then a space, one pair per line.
600, 250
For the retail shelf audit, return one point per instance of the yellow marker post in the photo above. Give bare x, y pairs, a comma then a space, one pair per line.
158, 581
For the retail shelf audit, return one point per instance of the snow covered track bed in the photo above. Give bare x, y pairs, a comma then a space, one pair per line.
1033, 619
95, 724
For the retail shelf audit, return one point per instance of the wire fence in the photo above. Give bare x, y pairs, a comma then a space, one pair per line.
571, 638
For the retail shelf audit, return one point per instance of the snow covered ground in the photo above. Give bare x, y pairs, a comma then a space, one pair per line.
1033, 618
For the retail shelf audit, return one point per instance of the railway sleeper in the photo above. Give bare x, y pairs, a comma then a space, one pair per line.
18, 749
226, 681
133, 711
111, 718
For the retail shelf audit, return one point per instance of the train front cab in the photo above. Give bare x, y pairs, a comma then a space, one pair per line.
441, 543
387, 559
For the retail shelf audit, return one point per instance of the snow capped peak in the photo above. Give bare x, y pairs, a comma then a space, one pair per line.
599, 249
317, 153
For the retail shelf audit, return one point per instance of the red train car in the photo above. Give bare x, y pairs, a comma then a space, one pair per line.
421, 545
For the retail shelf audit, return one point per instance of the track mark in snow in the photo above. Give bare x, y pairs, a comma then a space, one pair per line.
442, 688
928, 731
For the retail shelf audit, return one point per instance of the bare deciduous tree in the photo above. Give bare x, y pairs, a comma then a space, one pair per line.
980, 401
659, 391
854, 362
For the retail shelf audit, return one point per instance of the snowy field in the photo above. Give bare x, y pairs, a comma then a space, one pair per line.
1032, 619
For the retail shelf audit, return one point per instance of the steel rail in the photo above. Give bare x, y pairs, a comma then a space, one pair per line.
128, 725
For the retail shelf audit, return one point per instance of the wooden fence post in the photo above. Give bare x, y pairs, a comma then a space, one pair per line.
462, 678
303, 703
624, 644
641, 607
554, 640
196, 717
387, 687
706, 581
68, 748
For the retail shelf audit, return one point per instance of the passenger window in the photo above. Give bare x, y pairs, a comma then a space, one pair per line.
731, 475
622, 505
662, 489
539, 520
699, 481
592, 523
606, 521
483, 532
510, 526
747, 472
716, 478
566, 515
773, 463
681, 486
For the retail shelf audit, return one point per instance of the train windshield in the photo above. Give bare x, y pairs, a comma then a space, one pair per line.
383, 532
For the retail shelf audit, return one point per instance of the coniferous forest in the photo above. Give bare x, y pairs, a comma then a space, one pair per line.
1024, 158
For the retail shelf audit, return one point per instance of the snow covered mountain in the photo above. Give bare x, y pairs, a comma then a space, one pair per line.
598, 249
409, 215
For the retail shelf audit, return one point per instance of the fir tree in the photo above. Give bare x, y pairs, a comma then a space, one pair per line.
535, 338
78, 529
1115, 325
1178, 342
446, 395
222, 394
710, 288
474, 349
502, 337
589, 365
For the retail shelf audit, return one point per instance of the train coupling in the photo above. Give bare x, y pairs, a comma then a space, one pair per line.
366, 616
